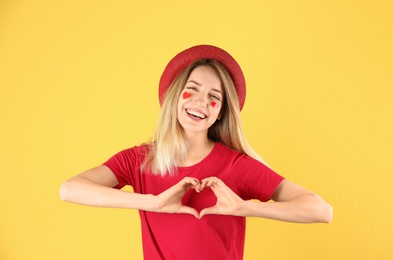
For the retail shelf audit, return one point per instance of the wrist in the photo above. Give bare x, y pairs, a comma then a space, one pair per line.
150, 203
146, 202
246, 208
241, 209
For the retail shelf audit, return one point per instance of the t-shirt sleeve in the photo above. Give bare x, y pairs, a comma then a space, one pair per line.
257, 181
125, 165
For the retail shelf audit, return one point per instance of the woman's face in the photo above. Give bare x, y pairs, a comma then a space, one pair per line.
200, 101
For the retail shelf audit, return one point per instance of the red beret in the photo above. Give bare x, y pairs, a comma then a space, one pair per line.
186, 57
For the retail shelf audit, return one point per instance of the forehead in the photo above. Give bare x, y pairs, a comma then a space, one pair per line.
206, 77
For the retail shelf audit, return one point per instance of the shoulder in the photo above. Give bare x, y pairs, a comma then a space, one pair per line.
236, 156
133, 154
241, 162
236, 160
225, 149
141, 149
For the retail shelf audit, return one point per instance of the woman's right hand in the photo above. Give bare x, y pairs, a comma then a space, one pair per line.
94, 188
170, 200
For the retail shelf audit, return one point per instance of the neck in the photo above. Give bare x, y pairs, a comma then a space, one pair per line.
198, 148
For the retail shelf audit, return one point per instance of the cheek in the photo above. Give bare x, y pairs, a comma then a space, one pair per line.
214, 104
186, 95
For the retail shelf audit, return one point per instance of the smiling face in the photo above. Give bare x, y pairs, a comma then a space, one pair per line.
200, 101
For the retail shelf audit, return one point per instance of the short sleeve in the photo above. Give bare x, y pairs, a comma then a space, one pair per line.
125, 165
256, 180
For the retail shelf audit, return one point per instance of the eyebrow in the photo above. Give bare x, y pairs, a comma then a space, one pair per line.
199, 84
193, 81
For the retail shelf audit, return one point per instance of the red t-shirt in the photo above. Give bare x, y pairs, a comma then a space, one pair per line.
182, 236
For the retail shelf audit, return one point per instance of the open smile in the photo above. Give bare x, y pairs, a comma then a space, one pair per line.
195, 114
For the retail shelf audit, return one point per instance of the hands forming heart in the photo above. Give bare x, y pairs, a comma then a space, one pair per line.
228, 202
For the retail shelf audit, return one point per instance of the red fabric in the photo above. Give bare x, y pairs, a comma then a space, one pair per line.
186, 57
182, 236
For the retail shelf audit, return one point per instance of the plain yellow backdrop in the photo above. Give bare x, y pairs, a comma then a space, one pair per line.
78, 83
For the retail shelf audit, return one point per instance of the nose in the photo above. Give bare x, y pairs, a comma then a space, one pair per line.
201, 99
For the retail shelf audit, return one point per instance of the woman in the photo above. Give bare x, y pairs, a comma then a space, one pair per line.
198, 167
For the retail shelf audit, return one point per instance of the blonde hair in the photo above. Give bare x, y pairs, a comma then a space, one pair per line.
169, 144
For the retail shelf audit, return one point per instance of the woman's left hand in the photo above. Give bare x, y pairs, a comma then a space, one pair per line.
228, 202
292, 204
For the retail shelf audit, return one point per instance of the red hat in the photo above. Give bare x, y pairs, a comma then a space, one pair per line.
186, 57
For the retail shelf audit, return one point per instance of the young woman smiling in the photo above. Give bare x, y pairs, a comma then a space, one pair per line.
194, 182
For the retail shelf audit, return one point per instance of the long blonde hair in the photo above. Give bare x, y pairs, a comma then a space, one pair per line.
169, 144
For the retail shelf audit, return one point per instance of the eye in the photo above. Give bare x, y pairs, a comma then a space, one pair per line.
216, 97
192, 88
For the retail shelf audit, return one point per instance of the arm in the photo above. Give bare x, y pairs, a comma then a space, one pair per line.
292, 204
94, 188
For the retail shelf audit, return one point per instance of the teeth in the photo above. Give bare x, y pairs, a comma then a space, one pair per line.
195, 113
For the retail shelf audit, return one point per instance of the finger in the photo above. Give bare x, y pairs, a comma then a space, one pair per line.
195, 184
198, 188
189, 210
209, 182
203, 184
190, 180
188, 183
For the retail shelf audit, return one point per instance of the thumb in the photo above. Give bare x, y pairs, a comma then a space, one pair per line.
208, 211
189, 210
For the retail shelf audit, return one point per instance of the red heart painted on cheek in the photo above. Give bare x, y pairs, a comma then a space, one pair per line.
214, 104
186, 95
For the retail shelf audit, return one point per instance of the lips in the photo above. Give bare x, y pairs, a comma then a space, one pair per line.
196, 114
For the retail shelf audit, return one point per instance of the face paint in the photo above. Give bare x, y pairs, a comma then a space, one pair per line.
214, 104
186, 95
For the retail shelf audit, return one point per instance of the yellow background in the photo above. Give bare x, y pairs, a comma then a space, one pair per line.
78, 82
